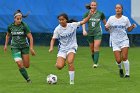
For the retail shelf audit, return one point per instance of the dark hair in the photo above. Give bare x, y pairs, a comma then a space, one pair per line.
88, 5
66, 17
19, 11
72, 20
121, 7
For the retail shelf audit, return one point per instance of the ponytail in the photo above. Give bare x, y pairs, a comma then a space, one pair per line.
71, 20
87, 6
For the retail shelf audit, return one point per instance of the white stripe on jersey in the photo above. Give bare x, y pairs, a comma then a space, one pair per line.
66, 36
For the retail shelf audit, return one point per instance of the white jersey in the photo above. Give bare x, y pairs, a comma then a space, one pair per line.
66, 36
118, 29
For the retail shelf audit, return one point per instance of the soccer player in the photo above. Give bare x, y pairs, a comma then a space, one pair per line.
19, 43
66, 34
94, 34
117, 26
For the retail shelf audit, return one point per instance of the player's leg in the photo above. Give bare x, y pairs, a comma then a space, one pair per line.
26, 64
117, 54
61, 57
125, 61
26, 60
60, 63
25, 57
70, 59
90, 40
97, 44
18, 59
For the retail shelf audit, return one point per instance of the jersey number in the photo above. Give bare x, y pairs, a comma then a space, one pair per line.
93, 24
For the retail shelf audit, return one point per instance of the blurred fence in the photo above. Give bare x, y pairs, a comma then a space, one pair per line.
43, 39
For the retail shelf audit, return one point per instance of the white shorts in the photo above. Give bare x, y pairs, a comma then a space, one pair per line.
120, 45
65, 53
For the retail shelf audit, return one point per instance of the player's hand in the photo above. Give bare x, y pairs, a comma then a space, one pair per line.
92, 11
50, 50
84, 33
5, 48
107, 27
32, 52
134, 25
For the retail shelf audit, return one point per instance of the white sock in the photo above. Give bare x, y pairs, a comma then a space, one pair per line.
71, 74
126, 66
119, 65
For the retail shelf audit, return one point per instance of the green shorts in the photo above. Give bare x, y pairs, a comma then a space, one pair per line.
18, 52
90, 39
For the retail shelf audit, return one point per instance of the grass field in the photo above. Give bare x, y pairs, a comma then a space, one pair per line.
104, 79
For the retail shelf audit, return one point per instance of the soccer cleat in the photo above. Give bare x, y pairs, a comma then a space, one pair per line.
95, 66
121, 73
127, 76
29, 81
71, 82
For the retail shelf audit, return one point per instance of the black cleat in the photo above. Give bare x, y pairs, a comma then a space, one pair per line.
29, 81
121, 73
126, 76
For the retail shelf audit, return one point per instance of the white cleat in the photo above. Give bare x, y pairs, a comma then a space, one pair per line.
95, 66
71, 82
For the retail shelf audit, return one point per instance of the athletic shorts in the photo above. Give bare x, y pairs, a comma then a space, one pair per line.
90, 39
18, 52
120, 45
65, 53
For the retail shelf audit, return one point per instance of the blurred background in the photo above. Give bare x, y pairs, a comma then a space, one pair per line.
42, 19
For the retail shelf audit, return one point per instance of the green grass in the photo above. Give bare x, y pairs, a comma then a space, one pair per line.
104, 79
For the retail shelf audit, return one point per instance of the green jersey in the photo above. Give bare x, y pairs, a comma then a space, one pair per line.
19, 35
94, 26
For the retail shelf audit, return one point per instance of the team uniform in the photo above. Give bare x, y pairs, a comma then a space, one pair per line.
94, 26
67, 39
19, 42
118, 34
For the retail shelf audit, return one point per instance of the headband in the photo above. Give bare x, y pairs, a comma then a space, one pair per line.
17, 14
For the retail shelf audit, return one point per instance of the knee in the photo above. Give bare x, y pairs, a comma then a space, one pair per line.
71, 65
27, 66
59, 66
92, 50
20, 65
118, 60
124, 58
96, 48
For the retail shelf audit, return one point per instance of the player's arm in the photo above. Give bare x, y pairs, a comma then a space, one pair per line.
30, 37
131, 27
87, 18
103, 18
104, 21
84, 30
6, 40
84, 21
107, 25
84, 26
52, 44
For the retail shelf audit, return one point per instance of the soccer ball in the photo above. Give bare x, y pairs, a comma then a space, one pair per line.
51, 79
